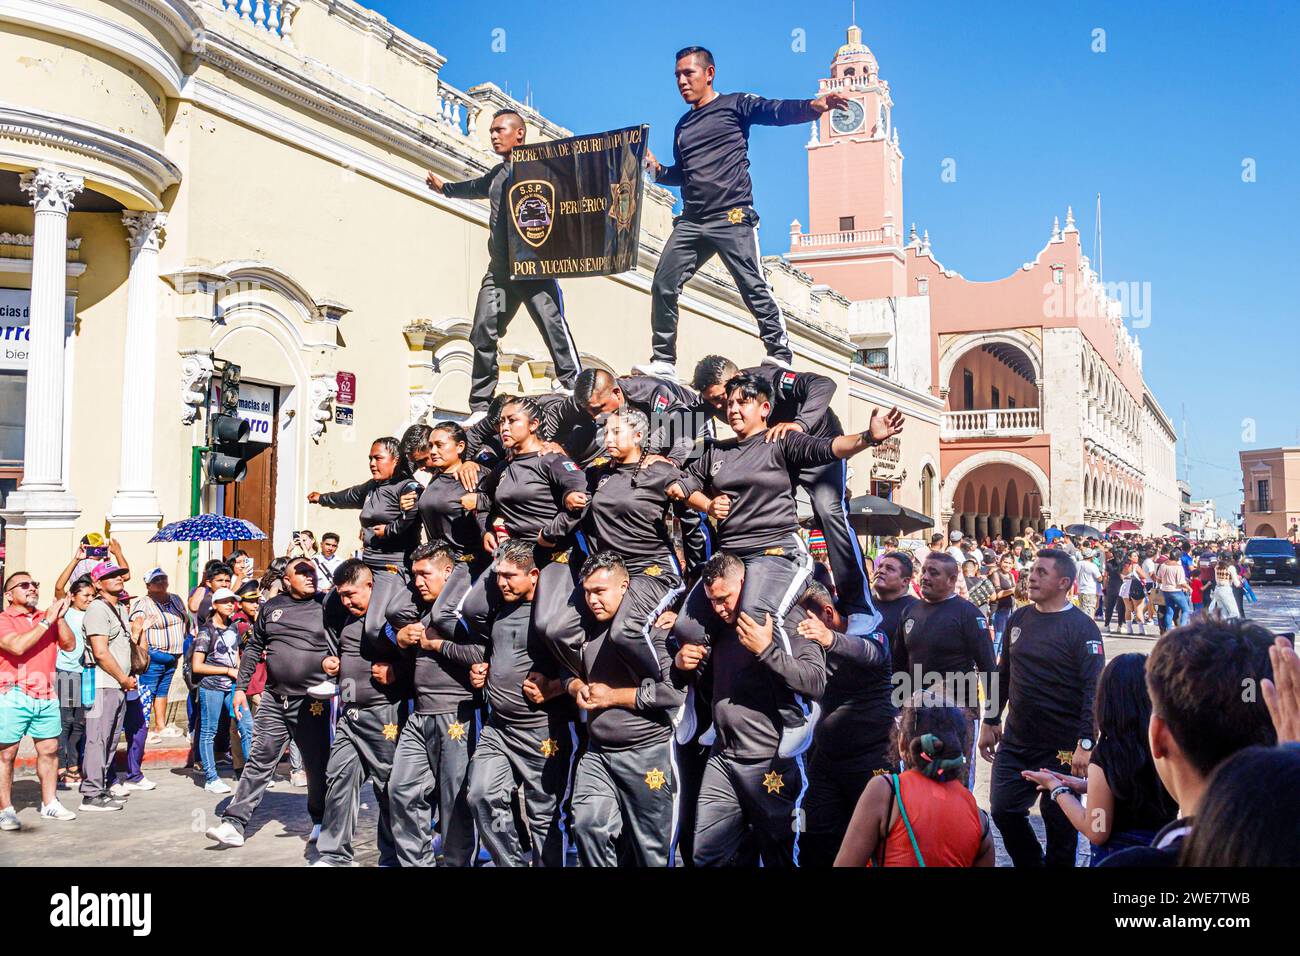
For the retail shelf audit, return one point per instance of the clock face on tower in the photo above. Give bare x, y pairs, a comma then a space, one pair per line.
849, 119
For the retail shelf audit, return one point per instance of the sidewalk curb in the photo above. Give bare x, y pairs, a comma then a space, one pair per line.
161, 757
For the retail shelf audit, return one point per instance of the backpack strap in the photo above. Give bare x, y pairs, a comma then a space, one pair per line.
902, 809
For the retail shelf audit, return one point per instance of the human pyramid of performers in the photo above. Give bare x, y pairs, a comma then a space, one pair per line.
524, 656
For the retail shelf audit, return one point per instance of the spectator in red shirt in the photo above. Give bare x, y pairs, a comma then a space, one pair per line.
29, 646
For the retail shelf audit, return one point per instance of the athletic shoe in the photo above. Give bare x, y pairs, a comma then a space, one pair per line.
119, 790
217, 786
321, 862
779, 363
144, 783
153, 738
797, 738
657, 370
315, 833
100, 804
9, 819
226, 834
298, 778
171, 730
324, 690
56, 811
684, 720
474, 419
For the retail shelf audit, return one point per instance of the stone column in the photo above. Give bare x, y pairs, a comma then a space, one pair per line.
981, 527
135, 507
43, 489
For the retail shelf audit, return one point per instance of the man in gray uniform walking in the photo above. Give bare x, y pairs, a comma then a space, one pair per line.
625, 790
711, 165
374, 683
500, 296
431, 766
290, 636
530, 739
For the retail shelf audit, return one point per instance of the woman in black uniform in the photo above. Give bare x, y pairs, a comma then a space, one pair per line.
447, 523
626, 512
533, 495
388, 534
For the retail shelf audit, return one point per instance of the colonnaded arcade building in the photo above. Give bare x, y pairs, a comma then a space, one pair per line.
1046, 416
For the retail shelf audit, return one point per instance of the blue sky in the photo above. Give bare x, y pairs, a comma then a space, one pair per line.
1159, 123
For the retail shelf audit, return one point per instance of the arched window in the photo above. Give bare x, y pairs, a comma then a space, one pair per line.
927, 491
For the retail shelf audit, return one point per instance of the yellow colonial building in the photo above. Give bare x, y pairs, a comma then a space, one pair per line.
190, 181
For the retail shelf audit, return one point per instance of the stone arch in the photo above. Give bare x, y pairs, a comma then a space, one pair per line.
963, 344
952, 480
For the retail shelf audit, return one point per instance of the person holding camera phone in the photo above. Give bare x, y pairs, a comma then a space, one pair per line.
93, 550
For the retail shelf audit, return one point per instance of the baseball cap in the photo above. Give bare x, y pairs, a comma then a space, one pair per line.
154, 575
955, 536
224, 594
105, 570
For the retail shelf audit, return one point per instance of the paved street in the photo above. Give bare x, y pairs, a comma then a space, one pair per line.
165, 826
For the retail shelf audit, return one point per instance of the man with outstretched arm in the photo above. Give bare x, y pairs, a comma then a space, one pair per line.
711, 165
500, 295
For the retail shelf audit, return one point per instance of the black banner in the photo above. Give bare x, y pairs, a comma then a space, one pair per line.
575, 205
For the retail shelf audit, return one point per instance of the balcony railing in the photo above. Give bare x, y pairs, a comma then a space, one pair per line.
991, 423
1259, 505
857, 237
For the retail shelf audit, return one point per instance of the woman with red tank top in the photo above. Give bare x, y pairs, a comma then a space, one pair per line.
924, 816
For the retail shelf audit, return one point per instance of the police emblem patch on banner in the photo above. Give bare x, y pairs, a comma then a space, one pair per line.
575, 205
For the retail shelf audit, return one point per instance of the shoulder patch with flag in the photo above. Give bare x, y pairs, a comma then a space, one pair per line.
660, 404
1095, 647
571, 466
786, 383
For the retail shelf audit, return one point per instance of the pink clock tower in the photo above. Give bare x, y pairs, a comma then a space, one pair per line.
854, 242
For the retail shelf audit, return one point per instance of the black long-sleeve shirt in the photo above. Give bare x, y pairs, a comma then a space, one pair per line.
711, 150
361, 645
749, 690
755, 475
948, 640
1049, 670
483, 438
446, 522
378, 501
513, 650
442, 677
621, 728
527, 494
800, 397
667, 405
289, 635
491, 186
628, 513
857, 711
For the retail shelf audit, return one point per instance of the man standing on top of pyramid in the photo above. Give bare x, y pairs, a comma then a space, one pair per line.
711, 165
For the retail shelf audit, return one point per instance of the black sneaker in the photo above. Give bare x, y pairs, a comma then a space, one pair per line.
101, 803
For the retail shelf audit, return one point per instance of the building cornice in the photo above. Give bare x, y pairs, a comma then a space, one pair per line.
146, 167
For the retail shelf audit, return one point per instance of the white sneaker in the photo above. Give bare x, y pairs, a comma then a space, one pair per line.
217, 786
9, 819
324, 690
153, 738
226, 835
657, 370
322, 862
298, 778
119, 790
144, 783
684, 720
56, 811
171, 730
795, 740
315, 833
474, 419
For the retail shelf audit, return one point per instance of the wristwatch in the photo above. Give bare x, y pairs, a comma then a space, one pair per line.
1085, 744
1057, 791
